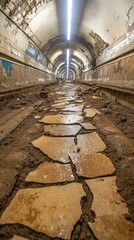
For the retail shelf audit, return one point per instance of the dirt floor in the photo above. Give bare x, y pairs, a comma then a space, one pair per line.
18, 154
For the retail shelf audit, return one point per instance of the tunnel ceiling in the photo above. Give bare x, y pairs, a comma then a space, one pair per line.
95, 25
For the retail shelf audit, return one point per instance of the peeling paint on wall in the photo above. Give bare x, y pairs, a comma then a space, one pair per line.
8, 66
36, 55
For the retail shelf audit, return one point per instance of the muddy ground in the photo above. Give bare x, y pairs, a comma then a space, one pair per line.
18, 154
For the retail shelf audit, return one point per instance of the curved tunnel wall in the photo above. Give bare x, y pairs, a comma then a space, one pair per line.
115, 66
21, 61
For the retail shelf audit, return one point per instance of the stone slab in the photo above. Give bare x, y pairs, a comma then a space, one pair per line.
71, 113
88, 126
61, 119
73, 108
106, 200
62, 130
92, 165
60, 104
53, 211
113, 228
79, 101
56, 148
91, 112
90, 143
51, 173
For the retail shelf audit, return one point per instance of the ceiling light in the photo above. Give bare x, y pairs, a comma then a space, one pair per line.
69, 19
68, 56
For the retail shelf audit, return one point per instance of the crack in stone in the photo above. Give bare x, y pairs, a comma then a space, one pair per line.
44, 185
81, 229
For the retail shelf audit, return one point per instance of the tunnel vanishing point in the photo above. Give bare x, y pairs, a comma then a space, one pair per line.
66, 119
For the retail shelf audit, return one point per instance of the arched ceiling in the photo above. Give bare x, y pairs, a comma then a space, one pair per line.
95, 25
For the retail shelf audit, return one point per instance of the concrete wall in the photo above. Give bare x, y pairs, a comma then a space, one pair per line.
118, 73
21, 61
13, 74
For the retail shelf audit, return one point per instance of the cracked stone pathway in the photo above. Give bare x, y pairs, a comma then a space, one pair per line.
81, 199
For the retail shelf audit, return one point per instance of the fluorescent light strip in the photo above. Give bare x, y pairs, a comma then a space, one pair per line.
68, 56
69, 20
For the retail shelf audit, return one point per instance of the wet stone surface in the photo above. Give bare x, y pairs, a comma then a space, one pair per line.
73, 108
88, 126
92, 165
89, 143
60, 105
56, 148
107, 202
52, 211
62, 130
113, 228
91, 112
51, 173
62, 119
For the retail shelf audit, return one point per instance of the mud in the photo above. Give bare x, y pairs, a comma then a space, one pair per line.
18, 154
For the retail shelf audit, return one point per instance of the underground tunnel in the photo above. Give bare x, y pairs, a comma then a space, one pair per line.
66, 120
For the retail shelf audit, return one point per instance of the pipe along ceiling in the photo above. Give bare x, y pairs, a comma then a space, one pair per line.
72, 33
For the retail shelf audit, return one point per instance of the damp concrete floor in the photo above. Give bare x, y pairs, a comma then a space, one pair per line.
73, 193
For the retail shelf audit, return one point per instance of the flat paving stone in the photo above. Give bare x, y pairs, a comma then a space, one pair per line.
92, 165
91, 112
88, 126
71, 113
51, 173
90, 143
106, 202
73, 108
53, 211
62, 130
79, 101
56, 148
61, 119
113, 228
59, 105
